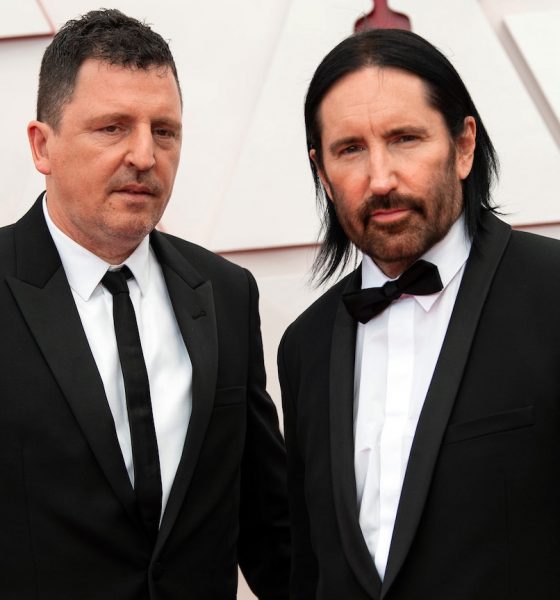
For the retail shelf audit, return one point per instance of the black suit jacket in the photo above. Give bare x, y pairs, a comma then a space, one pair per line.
70, 528
479, 513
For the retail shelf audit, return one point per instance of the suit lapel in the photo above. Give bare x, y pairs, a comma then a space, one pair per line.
341, 394
193, 303
43, 295
483, 261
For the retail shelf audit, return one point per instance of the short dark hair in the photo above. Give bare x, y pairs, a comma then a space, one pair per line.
398, 49
107, 35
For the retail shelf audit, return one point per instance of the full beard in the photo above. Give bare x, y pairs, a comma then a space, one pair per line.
409, 237
404, 241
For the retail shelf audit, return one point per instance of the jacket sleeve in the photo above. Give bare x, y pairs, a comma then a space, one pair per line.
264, 537
303, 579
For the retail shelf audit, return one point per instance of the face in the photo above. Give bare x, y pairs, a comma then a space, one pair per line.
111, 164
390, 166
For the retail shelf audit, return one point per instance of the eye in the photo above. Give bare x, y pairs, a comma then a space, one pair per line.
164, 132
110, 129
351, 149
403, 139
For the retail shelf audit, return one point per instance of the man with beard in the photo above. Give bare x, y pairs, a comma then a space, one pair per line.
140, 455
421, 392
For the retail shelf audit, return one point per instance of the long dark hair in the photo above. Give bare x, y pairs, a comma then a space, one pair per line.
399, 49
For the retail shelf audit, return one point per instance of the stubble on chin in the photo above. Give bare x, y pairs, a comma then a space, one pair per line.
395, 242
122, 233
390, 241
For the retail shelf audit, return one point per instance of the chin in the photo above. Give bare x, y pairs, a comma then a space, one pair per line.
133, 233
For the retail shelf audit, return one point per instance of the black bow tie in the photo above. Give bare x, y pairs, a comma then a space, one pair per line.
421, 279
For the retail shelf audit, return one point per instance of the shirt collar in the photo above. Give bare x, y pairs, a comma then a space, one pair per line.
84, 269
449, 255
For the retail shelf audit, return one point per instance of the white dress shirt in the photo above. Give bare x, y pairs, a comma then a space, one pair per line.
167, 360
396, 354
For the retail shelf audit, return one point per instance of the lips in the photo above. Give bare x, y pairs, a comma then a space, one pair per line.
388, 212
388, 217
134, 188
390, 209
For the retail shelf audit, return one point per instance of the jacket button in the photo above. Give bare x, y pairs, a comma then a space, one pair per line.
157, 571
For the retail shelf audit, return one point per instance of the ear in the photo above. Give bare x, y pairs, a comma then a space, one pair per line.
321, 173
38, 134
465, 145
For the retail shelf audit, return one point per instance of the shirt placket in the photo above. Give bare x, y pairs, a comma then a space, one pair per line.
400, 370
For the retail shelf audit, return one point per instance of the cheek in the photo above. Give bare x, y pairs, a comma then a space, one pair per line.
351, 184
168, 162
63, 162
348, 214
426, 176
423, 173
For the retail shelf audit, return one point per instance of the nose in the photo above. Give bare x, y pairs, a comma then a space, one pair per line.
141, 150
382, 173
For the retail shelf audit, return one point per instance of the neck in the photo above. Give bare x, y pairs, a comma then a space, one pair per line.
396, 268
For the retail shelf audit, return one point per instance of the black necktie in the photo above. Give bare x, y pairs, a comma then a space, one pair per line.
147, 475
421, 279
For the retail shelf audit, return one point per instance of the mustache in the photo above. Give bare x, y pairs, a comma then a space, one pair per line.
390, 201
134, 177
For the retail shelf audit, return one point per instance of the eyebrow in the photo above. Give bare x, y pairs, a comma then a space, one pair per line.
347, 141
395, 132
108, 117
406, 130
118, 116
169, 123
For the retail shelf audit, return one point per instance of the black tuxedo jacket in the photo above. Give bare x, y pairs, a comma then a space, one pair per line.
479, 513
70, 528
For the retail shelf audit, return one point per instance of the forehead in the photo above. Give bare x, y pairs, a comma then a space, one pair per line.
381, 96
101, 82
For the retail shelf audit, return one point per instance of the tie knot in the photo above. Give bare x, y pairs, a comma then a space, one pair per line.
391, 290
421, 279
115, 281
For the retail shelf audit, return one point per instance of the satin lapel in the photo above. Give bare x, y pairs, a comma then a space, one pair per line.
193, 302
483, 261
43, 295
341, 398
